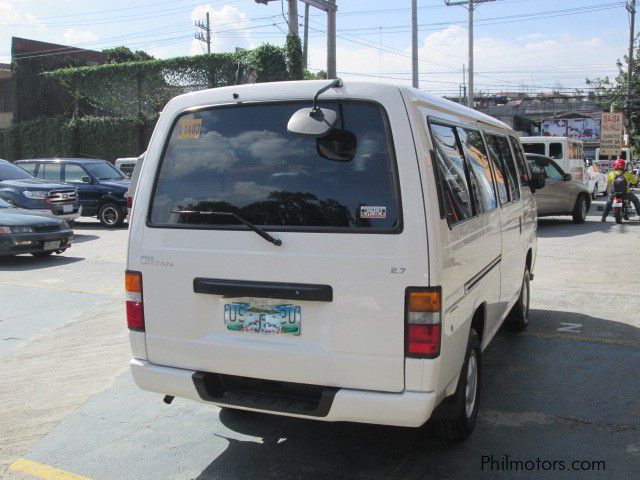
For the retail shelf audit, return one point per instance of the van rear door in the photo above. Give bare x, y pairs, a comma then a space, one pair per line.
327, 306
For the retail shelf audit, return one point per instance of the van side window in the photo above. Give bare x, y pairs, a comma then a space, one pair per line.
501, 173
537, 148
480, 175
452, 170
555, 150
512, 171
522, 165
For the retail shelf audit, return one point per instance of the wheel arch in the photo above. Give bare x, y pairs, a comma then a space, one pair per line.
479, 319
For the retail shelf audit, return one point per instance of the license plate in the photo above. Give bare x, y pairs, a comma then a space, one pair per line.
617, 204
266, 318
67, 208
54, 245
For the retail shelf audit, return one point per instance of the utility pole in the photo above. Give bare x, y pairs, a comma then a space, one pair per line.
414, 44
471, 4
471, 103
631, 7
293, 16
328, 6
206, 36
305, 44
331, 39
464, 84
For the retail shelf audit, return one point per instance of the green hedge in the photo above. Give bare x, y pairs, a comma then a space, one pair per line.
84, 137
141, 89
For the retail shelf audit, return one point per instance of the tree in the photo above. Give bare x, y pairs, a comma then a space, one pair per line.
293, 53
612, 93
124, 54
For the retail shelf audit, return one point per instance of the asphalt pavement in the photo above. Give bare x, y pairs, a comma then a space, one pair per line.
559, 401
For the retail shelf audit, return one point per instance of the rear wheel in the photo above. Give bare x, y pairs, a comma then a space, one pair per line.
518, 319
462, 407
111, 215
617, 214
580, 209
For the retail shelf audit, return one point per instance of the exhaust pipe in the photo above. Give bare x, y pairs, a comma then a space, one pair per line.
168, 399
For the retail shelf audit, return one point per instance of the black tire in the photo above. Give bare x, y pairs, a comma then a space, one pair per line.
42, 254
461, 410
518, 318
580, 209
617, 214
111, 215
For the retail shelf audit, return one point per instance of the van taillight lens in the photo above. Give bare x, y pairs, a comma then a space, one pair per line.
129, 201
133, 295
423, 322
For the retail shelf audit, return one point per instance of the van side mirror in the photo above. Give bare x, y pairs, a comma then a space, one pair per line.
86, 179
312, 122
538, 179
567, 177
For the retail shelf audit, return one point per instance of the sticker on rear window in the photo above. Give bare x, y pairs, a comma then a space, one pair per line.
373, 212
189, 128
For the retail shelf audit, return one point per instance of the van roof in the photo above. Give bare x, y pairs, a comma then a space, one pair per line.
549, 139
306, 89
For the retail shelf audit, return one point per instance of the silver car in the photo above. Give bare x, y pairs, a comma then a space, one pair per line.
561, 195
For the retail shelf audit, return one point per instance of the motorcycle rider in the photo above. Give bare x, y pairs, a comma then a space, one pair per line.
615, 181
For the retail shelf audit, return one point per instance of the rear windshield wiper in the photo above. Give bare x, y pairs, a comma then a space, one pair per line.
276, 241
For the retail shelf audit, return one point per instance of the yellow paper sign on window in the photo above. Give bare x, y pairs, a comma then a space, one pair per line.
189, 128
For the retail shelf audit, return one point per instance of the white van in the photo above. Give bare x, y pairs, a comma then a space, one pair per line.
567, 152
126, 165
343, 262
606, 161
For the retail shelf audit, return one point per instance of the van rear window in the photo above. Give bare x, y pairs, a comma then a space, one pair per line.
242, 160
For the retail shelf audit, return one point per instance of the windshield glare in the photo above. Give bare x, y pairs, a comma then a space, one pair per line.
103, 171
242, 160
8, 171
4, 204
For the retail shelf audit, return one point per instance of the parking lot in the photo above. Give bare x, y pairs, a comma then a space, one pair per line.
567, 390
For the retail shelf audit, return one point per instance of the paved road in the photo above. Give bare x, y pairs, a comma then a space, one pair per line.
566, 390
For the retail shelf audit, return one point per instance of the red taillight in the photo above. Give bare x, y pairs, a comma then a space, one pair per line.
424, 340
129, 201
423, 321
133, 295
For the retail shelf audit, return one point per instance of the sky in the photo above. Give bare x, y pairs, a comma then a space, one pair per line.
520, 45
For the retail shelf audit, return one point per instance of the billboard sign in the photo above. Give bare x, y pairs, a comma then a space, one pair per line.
585, 129
611, 134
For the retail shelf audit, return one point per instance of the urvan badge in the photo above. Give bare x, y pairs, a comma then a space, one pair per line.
373, 212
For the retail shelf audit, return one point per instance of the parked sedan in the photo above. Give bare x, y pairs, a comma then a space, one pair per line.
44, 197
561, 195
101, 186
22, 232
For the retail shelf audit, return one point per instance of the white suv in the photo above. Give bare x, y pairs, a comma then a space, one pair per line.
343, 258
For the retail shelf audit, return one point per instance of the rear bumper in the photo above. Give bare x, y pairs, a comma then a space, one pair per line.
406, 409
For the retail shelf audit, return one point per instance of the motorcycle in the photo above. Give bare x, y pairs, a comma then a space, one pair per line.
620, 209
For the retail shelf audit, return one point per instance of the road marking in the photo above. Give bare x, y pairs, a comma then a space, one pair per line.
43, 471
570, 327
574, 338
